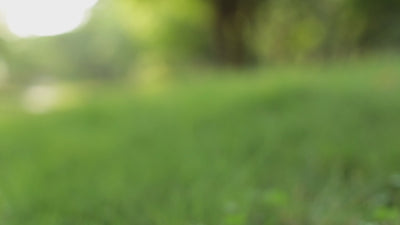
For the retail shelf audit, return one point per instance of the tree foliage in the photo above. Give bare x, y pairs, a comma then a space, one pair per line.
127, 37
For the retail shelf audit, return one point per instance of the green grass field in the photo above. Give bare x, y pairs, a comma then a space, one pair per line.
315, 145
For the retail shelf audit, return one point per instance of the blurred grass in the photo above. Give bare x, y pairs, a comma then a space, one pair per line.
300, 145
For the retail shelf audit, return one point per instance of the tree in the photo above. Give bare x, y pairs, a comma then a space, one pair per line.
232, 23
381, 19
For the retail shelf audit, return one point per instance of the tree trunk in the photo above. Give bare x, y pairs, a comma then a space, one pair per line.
230, 28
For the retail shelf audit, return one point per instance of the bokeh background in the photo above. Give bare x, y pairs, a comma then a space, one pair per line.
200, 112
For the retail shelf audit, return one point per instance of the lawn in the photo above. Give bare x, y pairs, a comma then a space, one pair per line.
304, 145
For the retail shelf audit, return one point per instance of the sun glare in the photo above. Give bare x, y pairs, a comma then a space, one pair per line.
26, 18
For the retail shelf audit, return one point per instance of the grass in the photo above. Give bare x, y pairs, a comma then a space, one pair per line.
297, 146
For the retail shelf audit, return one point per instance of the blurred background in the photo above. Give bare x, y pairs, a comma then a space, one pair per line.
114, 40
199, 112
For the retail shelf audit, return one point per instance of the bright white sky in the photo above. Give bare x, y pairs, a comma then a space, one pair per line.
26, 18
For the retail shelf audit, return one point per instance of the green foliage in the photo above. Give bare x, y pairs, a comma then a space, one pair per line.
133, 37
170, 30
263, 31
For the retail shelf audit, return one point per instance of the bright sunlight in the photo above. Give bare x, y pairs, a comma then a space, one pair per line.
26, 18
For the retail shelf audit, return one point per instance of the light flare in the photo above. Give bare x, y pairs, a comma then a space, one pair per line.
26, 18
